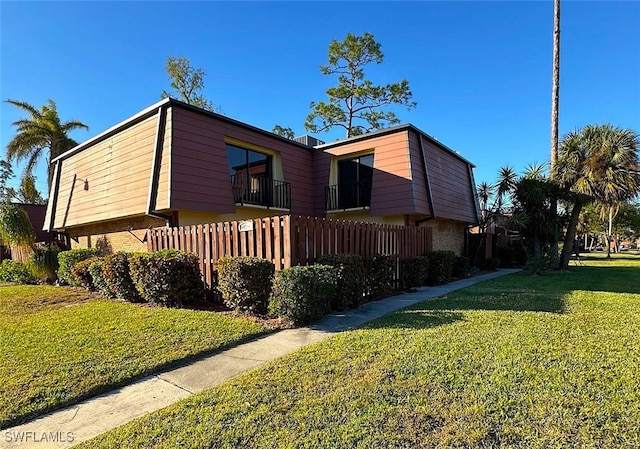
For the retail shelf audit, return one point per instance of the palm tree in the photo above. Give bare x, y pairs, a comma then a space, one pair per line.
596, 163
555, 100
42, 131
555, 91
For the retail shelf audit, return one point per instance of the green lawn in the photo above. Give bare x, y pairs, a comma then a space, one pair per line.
58, 345
520, 361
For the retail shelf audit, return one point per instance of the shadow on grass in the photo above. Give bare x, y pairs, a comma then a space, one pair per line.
116, 386
613, 279
519, 292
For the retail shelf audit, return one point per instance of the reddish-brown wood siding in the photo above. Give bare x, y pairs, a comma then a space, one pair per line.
420, 190
116, 171
391, 185
200, 178
450, 183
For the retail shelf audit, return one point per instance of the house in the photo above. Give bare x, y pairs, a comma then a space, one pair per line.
36, 214
174, 164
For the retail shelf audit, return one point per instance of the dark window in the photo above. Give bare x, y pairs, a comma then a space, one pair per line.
252, 180
354, 182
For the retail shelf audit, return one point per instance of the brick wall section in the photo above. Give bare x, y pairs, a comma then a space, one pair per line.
447, 235
114, 236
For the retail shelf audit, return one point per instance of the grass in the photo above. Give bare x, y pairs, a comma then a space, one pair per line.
537, 362
59, 345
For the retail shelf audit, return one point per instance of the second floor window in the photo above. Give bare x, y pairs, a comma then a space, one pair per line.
354, 181
247, 166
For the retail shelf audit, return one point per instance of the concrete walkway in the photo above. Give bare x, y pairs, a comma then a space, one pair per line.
89, 418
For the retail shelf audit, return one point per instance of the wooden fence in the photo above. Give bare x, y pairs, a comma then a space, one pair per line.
288, 241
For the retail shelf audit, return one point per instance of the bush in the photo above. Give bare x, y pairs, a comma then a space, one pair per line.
19, 273
349, 272
381, 275
68, 259
167, 277
303, 294
44, 260
117, 277
97, 277
492, 263
460, 267
413, 271
245, 282
440, 266
506, 254
81, 274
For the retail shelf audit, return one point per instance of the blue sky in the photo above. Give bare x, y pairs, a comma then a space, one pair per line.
480, 71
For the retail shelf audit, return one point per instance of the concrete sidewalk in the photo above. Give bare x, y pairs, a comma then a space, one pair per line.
89, 418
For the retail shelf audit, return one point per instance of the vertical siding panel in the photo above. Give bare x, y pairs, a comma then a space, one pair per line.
207, 255
286, 236
268, 231
277, 241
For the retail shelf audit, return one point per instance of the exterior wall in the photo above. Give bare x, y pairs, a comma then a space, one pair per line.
447, 235
116, 172
200, 179
451, 185
392, 190
188, 218
365, 216
114, 236
421, 201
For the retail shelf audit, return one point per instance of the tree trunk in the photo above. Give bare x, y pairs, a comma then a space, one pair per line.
555, 99
570, 236
555, 92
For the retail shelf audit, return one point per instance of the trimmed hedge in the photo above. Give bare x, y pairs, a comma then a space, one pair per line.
97, 277
350, 277
460, 267
507, 256
117, 277
245, 282
413, 271
303, 294
167, 277
440, 266
19, 273
82, 276
492, 263
68, 259
381, 275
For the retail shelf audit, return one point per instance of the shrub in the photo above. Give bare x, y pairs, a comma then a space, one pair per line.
117, 277
460, 267
97, 277
381, 275
303, 294
520, 255
44, 260
245, 282
492, 263
19, 273
349, 272
506, 254
440, 266
68, 259
81, 274
413, 271
167, 277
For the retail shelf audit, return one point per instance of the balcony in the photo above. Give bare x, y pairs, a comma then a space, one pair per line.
353, 195
261, 191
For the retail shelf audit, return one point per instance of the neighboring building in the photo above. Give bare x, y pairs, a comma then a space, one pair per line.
175, 164
36, 213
